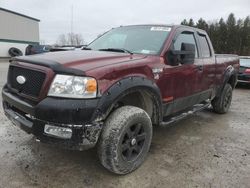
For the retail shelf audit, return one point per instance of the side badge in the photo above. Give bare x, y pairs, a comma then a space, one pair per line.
156, 72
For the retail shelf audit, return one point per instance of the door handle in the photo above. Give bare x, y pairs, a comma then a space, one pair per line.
199, 67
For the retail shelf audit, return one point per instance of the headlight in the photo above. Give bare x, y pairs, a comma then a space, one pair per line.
73, 87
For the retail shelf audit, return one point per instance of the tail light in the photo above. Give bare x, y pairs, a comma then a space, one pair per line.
247, 71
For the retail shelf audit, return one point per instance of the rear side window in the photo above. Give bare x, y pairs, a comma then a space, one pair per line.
205, 50
185, 38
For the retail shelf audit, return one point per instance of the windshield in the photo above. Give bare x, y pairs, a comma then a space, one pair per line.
245, 62
135, 39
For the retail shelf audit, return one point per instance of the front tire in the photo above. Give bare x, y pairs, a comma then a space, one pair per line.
222, 103
125, 140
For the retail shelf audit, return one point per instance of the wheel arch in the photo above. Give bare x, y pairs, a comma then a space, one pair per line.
232, 80
134, 91
230, 77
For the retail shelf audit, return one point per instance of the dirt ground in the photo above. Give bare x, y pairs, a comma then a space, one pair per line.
204, 150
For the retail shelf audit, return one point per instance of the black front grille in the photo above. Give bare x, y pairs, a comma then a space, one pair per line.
33, 84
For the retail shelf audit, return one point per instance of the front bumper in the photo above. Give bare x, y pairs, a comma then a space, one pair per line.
68, 113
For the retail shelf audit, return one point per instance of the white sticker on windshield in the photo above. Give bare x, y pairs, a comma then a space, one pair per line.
145, 51
160, 29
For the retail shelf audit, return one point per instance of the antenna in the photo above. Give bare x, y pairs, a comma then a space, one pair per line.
71, 18
71, 26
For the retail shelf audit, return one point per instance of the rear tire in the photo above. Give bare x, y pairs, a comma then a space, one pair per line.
221, 104
125, 140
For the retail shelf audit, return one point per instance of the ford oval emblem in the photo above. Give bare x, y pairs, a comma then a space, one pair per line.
21, 79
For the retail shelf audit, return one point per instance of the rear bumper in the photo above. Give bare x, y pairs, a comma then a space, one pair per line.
243, 81
244, 78
68, 113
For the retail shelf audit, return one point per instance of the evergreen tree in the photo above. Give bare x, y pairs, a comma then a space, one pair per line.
227, 37
214, 36
245, 48
201, 24
223, 37
191, 22
232, 42
239, 35
184, 22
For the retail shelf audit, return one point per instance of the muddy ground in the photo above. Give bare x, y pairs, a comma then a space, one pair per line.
204, 150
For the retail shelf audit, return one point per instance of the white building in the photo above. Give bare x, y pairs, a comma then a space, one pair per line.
17, 30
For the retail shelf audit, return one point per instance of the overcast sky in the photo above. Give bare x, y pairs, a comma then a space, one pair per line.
93, 17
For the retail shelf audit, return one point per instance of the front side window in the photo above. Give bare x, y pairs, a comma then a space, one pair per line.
185, 38
136, 39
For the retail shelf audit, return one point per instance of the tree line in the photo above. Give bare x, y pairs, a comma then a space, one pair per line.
228, 36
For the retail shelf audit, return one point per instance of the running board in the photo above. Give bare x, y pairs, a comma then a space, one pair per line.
194, 109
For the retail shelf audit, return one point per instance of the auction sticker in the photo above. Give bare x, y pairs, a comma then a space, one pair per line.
160, 28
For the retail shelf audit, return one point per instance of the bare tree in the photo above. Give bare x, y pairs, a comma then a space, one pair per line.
79, 40
61, 40
72, 39
42, 42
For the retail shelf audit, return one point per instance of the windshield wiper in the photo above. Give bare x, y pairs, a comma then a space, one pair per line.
86, 48
116, 50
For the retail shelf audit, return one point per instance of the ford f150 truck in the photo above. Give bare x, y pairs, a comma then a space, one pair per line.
112, 92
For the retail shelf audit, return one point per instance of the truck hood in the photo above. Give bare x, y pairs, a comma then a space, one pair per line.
83, 60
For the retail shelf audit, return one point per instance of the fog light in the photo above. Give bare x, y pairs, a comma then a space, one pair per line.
60, 132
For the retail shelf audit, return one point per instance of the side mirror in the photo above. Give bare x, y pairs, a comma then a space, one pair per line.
184, 56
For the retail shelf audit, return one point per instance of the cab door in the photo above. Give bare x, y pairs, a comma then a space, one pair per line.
183, 79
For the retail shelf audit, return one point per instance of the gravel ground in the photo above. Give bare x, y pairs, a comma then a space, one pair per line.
204, 150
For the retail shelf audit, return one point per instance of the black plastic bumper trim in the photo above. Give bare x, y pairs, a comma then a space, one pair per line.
19, 120
20, 104
83, 138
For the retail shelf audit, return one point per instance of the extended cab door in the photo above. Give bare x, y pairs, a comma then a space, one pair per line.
207, 61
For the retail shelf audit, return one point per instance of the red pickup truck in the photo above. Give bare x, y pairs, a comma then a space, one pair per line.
112, 92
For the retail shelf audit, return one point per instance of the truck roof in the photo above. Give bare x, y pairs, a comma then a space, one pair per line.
168, 25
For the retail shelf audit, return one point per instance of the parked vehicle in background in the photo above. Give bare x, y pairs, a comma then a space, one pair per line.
66, 48
244, 71
37, 49
114, 91
61, 48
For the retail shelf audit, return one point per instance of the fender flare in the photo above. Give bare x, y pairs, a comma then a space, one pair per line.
124, 87
229, 72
